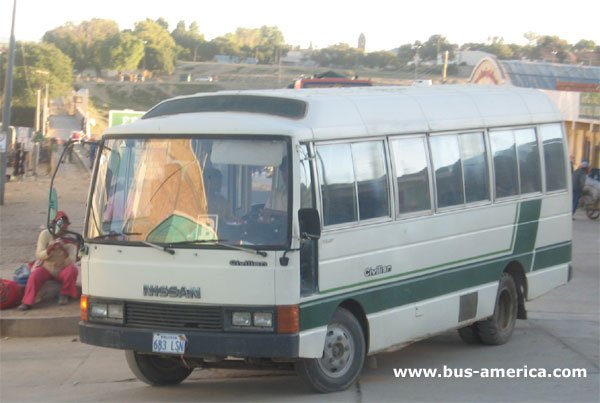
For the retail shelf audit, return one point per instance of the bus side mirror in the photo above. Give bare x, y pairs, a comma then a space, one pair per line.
310, 223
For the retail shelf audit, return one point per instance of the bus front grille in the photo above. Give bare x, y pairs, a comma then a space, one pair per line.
173, 316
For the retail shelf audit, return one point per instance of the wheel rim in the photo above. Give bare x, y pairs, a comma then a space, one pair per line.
338, 353
505, 310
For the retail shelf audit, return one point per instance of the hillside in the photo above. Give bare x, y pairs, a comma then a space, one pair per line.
108, 94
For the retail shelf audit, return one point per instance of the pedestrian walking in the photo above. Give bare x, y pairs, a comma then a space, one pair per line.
578, 180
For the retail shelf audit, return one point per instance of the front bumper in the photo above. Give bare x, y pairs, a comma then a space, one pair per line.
259, 345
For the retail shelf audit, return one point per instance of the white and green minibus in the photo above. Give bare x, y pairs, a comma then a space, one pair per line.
315, 228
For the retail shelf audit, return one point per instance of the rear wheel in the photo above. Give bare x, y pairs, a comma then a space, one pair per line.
156, 370
499, 327
343, 355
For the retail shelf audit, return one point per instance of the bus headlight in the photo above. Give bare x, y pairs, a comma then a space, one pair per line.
241, 319
263, 319
106, 311
258, 320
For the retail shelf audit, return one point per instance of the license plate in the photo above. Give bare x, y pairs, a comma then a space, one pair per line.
169, 343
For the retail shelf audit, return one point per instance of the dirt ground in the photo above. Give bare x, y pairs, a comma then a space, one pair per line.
23, 216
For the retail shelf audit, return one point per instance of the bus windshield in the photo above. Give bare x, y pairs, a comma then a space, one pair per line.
190, 191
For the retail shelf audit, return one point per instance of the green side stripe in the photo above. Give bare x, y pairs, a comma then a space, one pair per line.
430, 285
383, 294
550, 256
519, 218
529, 217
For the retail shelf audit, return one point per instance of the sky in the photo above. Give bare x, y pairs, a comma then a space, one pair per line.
386, 24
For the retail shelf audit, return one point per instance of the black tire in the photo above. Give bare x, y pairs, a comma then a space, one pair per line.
157, 370
470, 334
499, 327
592, 213
343, 355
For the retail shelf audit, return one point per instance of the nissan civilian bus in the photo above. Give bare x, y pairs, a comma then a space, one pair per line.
311, 229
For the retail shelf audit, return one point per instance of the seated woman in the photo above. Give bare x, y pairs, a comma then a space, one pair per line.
55, 259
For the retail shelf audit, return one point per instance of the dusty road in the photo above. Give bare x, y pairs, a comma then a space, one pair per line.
26, 204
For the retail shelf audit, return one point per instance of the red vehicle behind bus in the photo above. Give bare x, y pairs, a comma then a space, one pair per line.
330, 82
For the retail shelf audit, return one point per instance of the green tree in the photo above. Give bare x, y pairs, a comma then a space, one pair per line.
82, 42
381, 59
208, 50
189, 41
246, 37
585, 45
496, 46
96, 31
266, 43
587, 52
499, 48
160, 48
122, 51
69, 41
340, 55
225, 45
38, 64
271, 46
550, 48
434, 46
163, 23
407, 52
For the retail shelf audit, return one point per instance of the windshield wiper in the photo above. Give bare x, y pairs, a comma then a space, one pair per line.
114, 233
220, 242
153, 245
159, 247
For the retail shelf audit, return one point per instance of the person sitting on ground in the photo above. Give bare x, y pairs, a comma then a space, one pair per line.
55, 259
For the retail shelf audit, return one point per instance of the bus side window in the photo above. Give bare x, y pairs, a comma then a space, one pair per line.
371, 179
475, 168
529, 161
412, 174
336, 174
505, 163
448, 170
554, 160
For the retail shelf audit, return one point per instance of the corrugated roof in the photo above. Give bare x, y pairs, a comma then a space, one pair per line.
546, 75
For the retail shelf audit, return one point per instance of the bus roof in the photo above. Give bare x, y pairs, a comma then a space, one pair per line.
331, 113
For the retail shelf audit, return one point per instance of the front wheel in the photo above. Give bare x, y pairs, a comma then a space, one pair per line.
155, 370
470, 334
343, 355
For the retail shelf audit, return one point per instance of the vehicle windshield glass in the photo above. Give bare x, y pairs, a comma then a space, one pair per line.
178, 190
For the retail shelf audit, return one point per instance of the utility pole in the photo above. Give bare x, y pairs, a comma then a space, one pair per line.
417, 46
38, 111
45, 112
445, 69
4, 134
